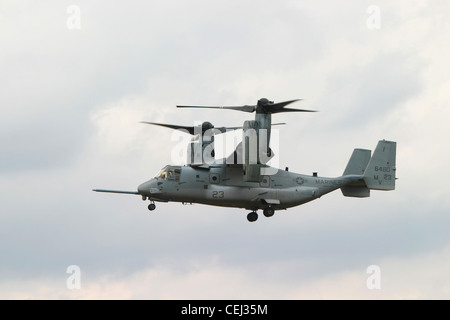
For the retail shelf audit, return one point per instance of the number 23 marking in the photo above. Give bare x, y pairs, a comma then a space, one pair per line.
218, 194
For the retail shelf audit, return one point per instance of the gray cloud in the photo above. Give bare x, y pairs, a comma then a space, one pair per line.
72, 101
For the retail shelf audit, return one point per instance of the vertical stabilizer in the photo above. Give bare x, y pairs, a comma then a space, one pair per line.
380, 172
358, 162
356, 166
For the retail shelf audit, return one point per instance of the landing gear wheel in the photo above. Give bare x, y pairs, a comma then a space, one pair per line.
268, 212
252, 216
151, 206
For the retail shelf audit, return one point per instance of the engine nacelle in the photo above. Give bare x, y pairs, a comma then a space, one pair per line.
201, 149
250, 152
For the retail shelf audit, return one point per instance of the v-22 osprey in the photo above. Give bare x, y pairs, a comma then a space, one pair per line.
245, 180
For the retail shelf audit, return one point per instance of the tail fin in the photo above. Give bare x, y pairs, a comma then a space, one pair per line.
380, 172
358, 162
357, 165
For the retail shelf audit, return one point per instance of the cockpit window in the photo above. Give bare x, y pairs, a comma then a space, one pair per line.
169, 173
162, 174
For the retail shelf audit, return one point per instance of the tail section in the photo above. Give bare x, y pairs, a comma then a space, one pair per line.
380, 172
376, 172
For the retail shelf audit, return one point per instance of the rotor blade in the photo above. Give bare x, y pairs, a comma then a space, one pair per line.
291, 110
280, 105
225, 129
172, 126
245, 108
192, 130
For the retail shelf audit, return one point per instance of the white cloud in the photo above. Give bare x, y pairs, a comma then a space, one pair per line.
422, 276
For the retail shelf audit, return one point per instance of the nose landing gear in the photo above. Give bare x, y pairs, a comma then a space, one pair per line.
152, 206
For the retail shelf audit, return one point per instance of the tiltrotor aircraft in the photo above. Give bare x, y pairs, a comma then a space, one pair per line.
245, 180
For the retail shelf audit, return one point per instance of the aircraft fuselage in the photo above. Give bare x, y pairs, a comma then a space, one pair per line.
222, 185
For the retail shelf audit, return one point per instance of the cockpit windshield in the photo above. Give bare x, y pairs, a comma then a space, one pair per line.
169, 173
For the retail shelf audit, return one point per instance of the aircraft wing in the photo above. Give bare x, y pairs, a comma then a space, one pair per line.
116, 191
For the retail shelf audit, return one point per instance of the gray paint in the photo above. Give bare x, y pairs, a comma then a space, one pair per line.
224, 185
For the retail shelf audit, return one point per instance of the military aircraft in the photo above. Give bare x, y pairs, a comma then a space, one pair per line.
245, 180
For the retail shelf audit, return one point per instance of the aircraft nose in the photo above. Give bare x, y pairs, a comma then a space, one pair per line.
144, 188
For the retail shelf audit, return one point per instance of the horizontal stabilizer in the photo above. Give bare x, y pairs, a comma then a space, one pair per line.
355, 191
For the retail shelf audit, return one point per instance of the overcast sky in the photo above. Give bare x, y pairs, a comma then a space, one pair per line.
78, 76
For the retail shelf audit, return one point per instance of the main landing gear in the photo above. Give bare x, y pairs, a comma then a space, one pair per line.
268, 212
253, 216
